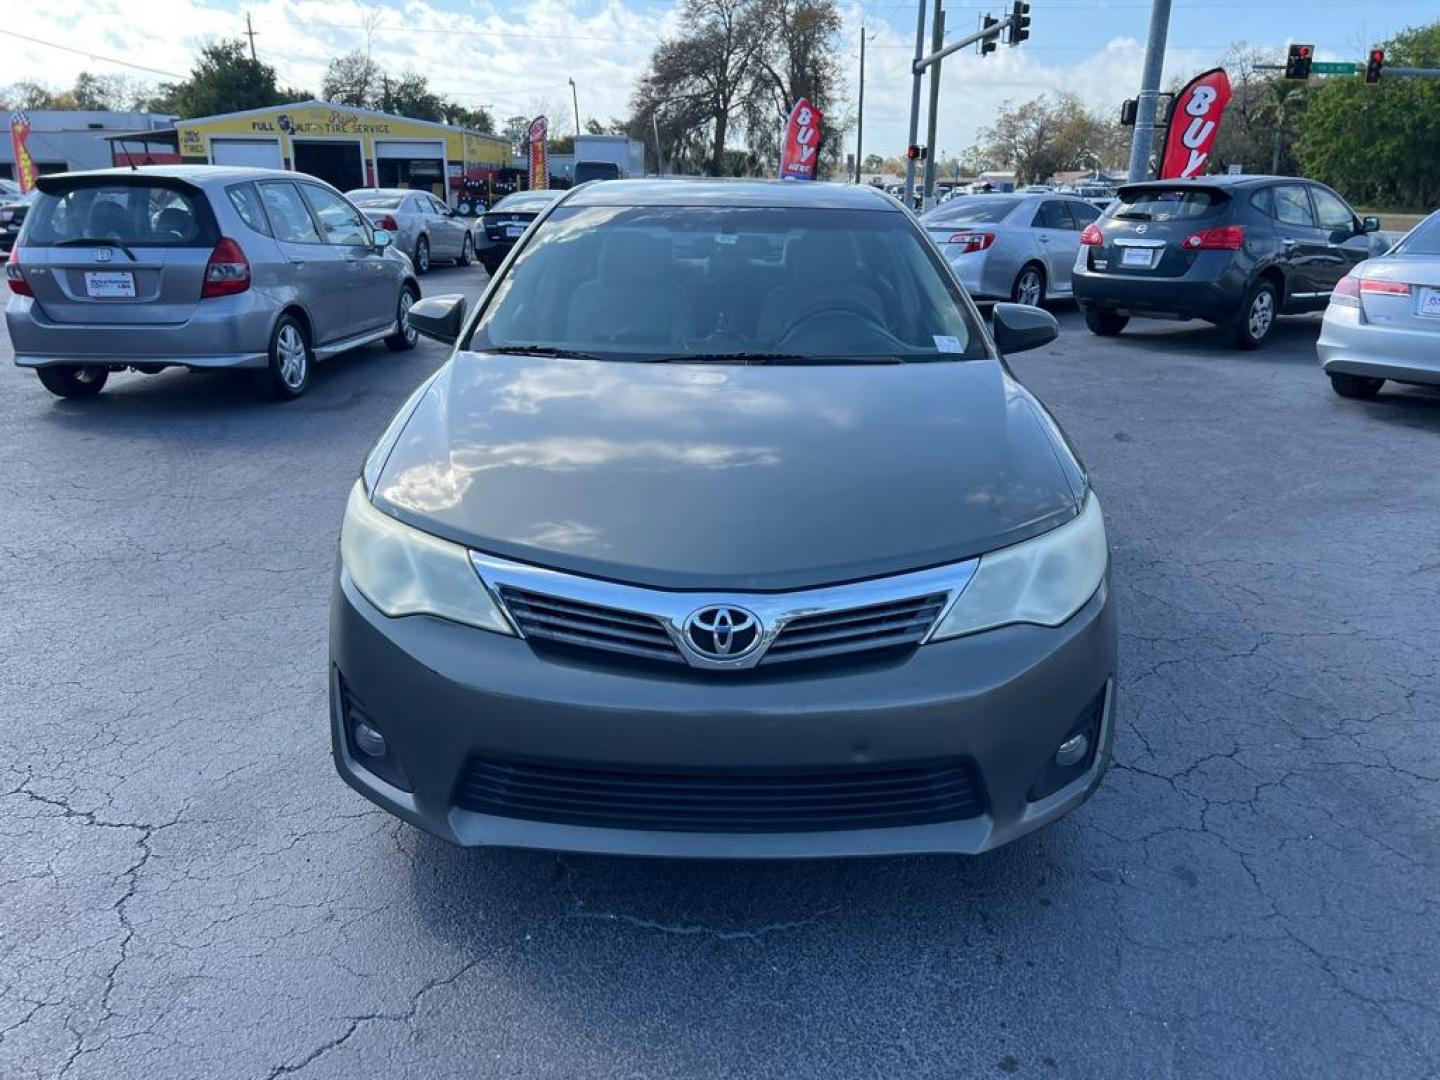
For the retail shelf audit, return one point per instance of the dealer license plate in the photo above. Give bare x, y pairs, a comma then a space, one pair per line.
1132, 256
1430, 303
109, 284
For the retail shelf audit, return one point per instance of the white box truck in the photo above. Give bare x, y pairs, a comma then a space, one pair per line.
608, 157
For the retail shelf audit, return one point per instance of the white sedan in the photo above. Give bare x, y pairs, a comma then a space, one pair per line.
1383, 321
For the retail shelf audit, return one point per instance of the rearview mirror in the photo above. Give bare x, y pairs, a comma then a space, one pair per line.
438, 317
383, 239
1370, 224
1018, 327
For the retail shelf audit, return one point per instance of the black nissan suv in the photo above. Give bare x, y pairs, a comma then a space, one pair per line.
1234, 250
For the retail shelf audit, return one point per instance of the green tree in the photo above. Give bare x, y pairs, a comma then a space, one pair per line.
224, 79
800, 59
354, 79
1379, 145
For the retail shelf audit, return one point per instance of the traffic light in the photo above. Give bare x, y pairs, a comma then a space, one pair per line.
1297, 62
1374, 65
1019, 22
987, 44
915, 152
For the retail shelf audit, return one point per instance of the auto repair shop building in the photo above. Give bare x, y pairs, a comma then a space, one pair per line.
348, 147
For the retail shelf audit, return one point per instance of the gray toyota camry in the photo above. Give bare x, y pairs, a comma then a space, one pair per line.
725, 531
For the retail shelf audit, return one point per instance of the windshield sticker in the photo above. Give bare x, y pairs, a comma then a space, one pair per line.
945, 343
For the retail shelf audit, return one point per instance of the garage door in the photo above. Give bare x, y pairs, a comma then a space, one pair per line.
258, 153
386, 148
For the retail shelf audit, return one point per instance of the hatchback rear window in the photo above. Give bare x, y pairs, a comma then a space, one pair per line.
1167, 204
136, 215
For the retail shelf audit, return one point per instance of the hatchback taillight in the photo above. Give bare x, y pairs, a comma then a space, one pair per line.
1091, 236
971, 241
1220, 238
14, 276
227, 272
388, 223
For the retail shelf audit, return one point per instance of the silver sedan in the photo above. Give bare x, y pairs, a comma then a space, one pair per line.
1011, 247
423, 226
1383, 321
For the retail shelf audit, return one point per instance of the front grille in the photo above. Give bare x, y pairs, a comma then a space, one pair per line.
574, 622
878, 626
871, 798
894, 624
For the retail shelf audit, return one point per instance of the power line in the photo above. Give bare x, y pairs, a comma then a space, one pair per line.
92, 56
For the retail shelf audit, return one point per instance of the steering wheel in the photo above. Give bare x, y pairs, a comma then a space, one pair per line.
866, 322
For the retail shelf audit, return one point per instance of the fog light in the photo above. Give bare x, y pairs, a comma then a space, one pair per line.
371, 743
1072, 751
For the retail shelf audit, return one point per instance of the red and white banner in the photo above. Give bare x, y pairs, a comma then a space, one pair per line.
800, 150
24, 164
539, 159
1194, 122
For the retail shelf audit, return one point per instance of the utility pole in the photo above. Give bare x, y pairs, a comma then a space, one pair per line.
917, 70
860, 111
575, 100
937, 41
250, 33
1149, 100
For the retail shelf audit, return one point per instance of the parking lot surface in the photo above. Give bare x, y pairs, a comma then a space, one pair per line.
189, 890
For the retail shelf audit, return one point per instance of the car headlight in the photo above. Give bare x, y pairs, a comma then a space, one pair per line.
404, 571
1044, 580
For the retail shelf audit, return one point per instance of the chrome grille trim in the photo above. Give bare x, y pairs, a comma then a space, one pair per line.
806, 624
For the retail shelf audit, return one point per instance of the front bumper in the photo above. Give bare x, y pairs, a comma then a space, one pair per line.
1349, 346
225, 332
442, 694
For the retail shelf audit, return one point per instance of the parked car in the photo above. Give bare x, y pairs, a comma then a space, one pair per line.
1234, 250
1013, 247
506, 221
199, 266
686, 551
13, 208
8, 188
1383, 320
422, 226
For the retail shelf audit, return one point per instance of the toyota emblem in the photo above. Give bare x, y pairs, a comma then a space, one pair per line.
722, 632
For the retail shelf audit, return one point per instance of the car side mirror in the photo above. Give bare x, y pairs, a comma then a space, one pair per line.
1370, 224
1019, 327
383, 239
438, 317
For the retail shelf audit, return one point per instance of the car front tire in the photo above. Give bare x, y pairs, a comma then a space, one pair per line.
1359, 387
405, 337
1105, 323
1257, 315
80, 381
291, 360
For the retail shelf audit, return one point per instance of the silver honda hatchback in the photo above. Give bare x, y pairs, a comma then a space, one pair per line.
199, 267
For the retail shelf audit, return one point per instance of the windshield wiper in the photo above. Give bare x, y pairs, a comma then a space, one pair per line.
771, 358
84, 241
541, 350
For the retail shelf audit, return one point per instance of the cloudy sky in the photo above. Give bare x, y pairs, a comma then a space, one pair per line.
516, 57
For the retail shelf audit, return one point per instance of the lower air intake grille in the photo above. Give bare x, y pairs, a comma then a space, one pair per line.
719, 802
879, 626
574, 622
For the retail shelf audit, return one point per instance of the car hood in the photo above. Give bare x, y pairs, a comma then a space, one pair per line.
710, 476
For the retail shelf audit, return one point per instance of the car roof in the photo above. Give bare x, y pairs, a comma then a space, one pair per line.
195, 174
1220, 180
397, 191
706, 191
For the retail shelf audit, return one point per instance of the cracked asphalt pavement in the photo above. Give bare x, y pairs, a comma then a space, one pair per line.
190, 891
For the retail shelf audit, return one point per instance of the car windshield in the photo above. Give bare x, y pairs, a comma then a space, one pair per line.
973, 210
526, 200
740, 284
1424, 239
135, 215
1166, 204
376, 202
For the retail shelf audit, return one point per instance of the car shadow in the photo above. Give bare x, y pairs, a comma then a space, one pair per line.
1400, 403
1292, 339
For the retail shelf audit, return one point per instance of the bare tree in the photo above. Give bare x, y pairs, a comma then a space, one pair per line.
800, 59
